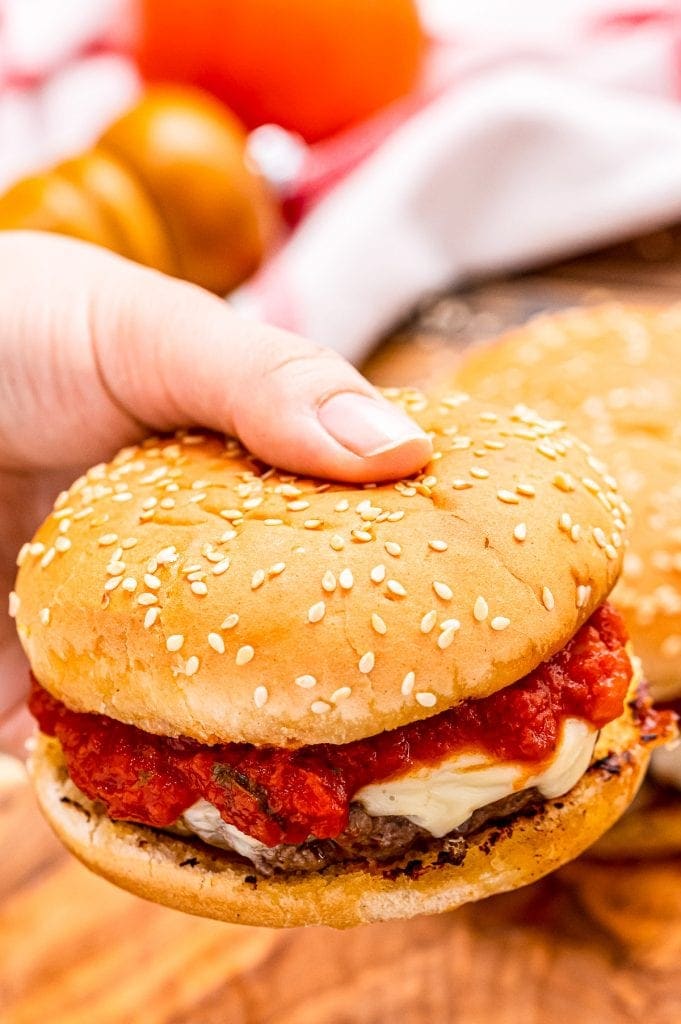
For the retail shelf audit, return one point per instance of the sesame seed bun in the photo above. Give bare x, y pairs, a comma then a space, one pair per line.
611, 372
189, 590
200, 880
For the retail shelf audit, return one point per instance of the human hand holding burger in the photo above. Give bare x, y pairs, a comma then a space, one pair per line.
269, 698
96, 352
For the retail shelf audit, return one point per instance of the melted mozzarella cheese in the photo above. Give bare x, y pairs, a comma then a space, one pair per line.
204, 820
442, 798
437, 799
666, 764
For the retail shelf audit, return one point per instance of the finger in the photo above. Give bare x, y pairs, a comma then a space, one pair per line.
125, 350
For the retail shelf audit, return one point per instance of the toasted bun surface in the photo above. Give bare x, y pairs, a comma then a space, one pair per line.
198, 880
612, 373
130, 591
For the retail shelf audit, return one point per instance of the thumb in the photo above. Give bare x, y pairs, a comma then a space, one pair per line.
118, 349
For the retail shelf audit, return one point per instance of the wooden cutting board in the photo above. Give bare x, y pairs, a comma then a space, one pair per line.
594, 944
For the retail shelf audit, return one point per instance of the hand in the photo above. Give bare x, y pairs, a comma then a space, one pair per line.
97, 352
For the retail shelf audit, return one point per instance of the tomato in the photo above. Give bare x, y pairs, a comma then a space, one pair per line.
312, 66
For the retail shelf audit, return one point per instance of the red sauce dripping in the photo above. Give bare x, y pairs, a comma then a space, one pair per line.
285, 796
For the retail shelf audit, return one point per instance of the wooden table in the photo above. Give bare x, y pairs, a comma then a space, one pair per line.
593, 944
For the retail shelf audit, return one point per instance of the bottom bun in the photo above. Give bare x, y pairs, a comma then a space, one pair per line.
198, 879
650, 829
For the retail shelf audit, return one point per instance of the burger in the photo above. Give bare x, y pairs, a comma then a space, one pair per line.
612, 372
281, 701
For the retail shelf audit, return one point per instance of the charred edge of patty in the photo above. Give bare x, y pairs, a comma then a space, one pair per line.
426, 853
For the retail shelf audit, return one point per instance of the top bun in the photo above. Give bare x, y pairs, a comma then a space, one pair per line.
190, 590
612, 373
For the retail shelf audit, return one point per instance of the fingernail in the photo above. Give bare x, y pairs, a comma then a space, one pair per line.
367, 426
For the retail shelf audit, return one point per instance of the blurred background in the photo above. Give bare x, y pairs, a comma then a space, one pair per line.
397, 180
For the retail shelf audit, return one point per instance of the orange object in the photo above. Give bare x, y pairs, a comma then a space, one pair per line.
167, 185
312, 66
188, 152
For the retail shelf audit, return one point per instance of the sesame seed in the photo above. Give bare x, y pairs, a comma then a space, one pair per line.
167, 555
107, 539
252, 503
276, 569
150, 617
199, 588
257, 579
500, 622
37, 549
288, 490
191, 666
437, 545
548, 599
312, 524
495, 446
342, 506
319, 707
123, 496
146, 599
583, 595
346, 579
393, 548
230, 514
545, 449
153, 582
610, 551
527, 490
396, 588
297, 506
62, 544
564, 482
575, 531
65, 526
196, 498
337, 542
23, 554
591, 485
520, 531
328, 582
461, 485
316, 612
443, 591
115, 568
599, 537
14, 604
260, 696
366, 663
273, 522
112, 583
128, 543
508, 497
307, 682
565, 522
377, 574
394, 517
408, 684
480, 609
342, 693
221, 566
228, 535
44, 616
167, 503
174, 642
362, 536
426, 699
230, 622
479, 472
378, 624
428, 621
447, 636
244, 655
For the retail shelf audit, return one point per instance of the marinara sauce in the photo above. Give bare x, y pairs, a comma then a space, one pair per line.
285, 796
